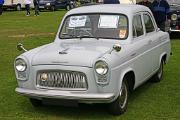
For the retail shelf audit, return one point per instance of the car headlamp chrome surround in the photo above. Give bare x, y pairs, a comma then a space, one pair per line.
20, 65
101, 67
174, 17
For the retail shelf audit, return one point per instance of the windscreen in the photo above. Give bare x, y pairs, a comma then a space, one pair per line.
95, 26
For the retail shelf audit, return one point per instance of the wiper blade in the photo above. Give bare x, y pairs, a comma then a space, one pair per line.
86, 36
83, 36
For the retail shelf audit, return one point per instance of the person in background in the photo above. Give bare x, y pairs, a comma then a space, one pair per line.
145, 3
1, 6
160, 9
111, 2
27, 6
36, 7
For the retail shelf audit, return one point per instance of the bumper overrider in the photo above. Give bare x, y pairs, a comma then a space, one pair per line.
79, 96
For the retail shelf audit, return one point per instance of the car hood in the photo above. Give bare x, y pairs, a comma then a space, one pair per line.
74, 53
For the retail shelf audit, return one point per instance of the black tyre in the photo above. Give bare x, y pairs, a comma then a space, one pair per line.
159, 75
119, 106
18, 7
53, 8
35, 102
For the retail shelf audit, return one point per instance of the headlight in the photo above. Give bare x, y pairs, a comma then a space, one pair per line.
174, 17
101, 67
20, 65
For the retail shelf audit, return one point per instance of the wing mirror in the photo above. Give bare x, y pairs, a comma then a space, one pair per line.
158, 29
20, 47
116, 48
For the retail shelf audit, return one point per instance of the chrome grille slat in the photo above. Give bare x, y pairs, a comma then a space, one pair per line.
59, 79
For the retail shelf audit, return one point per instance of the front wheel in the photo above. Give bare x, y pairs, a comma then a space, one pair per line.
119, 106
18, 7
52, 8
35, 102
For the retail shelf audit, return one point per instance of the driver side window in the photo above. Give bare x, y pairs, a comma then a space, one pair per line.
148, 23
137, 26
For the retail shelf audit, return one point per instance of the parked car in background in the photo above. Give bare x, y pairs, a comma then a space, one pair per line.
128, 1
56, 4
101, 53
85, 1
121, 1
15, 4
174, 15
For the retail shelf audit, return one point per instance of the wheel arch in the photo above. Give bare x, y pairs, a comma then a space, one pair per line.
130, 77
16, 7
163, 57
19, 4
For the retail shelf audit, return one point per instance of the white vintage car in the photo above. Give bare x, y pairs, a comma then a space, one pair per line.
101, 53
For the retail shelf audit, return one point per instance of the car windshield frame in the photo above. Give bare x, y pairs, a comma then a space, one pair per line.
81, 14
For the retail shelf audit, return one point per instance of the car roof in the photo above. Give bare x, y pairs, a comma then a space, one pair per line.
109, 8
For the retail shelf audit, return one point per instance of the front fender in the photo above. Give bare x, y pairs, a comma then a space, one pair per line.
122, 75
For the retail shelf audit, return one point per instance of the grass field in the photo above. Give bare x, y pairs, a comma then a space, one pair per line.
152, 101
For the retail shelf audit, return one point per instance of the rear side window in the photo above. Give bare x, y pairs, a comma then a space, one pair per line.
148, 23
137, 26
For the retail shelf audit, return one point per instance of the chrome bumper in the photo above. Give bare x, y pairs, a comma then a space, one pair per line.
173, 30
79, 96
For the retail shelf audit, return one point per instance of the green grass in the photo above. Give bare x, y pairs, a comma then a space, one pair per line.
152, 101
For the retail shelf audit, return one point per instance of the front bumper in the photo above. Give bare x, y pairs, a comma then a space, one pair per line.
81, 97
175, 26
174, 30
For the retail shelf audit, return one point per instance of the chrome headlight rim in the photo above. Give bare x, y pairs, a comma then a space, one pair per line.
174, 17
20, 65
101, 68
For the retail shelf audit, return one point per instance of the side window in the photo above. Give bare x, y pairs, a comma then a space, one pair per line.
137, 26
148, 23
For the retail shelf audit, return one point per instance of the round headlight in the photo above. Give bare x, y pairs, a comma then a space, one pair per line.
20, 65
174, 17
101, 67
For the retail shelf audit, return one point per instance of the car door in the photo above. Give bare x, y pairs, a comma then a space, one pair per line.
152, 37
142, 62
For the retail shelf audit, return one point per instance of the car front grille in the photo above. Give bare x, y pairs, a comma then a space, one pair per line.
66, 80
